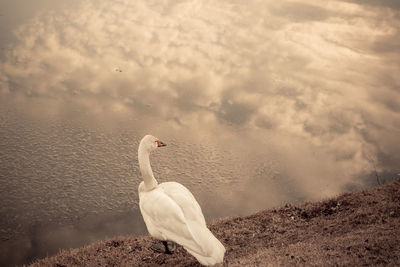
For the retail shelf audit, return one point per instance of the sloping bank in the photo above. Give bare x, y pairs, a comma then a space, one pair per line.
353, 229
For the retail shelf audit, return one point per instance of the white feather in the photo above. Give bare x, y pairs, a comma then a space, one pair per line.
171, 212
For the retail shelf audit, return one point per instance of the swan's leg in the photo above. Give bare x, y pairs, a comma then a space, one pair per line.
167, 251
164, 247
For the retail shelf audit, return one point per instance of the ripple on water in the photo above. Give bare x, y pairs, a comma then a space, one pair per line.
57, 171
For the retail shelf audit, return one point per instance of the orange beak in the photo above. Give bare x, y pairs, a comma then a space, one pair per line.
160, 144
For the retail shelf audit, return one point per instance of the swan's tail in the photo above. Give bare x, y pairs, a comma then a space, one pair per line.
212, 249
216, 257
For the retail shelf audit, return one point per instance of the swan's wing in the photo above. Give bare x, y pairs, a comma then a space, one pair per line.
164, 218
185, 200
194, 219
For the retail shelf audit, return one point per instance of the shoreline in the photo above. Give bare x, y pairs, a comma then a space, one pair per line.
354, 228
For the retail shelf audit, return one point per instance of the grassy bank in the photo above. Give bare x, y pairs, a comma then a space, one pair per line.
359, 228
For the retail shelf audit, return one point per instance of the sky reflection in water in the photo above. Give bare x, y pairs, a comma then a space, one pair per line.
260, 103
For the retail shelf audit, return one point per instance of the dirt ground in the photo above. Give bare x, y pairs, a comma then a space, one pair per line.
354, 229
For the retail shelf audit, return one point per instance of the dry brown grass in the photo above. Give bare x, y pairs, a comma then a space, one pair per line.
354, 229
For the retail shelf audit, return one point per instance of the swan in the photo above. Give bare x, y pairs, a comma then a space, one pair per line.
171, 213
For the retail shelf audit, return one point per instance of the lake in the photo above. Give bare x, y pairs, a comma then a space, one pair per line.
260, 104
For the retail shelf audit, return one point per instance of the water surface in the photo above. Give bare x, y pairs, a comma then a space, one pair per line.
260, 104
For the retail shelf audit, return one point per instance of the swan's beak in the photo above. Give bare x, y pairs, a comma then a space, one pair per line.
160, 144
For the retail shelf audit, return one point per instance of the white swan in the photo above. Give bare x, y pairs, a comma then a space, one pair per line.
172, 213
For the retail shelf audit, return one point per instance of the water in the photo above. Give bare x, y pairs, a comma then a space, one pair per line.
260, 104
67, 183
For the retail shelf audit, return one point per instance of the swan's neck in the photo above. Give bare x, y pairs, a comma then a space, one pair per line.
144, 164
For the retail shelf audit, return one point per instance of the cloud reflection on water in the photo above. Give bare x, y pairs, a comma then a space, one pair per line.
294, 99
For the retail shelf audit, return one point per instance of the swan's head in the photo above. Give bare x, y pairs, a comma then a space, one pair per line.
150, 143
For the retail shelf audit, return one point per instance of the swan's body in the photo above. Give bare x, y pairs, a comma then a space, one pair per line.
172, 213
